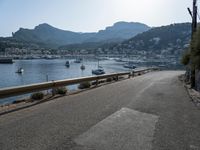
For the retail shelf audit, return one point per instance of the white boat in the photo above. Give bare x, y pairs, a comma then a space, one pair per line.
20, 70
129, 65
120, 60
98, 71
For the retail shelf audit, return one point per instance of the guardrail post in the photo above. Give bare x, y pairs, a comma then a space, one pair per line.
129, 76
133, 74
97, 81
53, 89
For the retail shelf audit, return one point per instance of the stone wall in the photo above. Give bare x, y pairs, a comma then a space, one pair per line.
197, 78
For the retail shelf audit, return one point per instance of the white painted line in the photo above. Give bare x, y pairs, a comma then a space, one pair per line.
124, 130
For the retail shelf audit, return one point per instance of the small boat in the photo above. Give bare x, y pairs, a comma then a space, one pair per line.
48, 57
129, 65
82, 67
98, 71
67, 64
20, 70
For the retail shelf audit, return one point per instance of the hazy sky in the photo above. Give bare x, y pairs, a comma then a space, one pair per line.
89, 15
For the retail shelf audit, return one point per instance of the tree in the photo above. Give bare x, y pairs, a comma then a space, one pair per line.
186, 58
191, 57
195, 51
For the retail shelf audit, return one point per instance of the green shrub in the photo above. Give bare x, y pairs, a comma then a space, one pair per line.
62, 90
37, 96
194, 52
185, 58
109, 79
115, 78
84, 85
94, 83
59, 90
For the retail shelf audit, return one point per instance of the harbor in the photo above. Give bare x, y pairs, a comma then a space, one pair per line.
42, 70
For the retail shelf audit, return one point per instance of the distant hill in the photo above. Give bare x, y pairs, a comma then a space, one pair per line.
13, 43
169, 38
119, 31
47, 35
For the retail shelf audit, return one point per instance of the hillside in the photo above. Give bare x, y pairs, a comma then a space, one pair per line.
52, 36
13, 43
120, 31
169, 39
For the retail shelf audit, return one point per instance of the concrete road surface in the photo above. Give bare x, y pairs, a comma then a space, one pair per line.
152, 111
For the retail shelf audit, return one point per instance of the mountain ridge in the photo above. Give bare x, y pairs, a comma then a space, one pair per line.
171, 39
47, 34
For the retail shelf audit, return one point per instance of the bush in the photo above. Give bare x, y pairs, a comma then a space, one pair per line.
94, 82
109, 79
195, 51
59, 90
37, 96
185, 58
115, 78
84, 85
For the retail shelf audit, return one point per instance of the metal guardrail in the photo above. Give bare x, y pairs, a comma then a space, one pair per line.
20, 90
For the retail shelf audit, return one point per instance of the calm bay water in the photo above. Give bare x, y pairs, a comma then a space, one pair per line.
36, 71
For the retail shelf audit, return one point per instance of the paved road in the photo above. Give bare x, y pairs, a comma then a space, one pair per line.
152, 111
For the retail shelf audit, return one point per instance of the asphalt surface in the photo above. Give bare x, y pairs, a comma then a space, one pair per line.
56, 125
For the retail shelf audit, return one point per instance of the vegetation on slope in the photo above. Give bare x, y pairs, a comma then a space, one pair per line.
192, 56
171, 38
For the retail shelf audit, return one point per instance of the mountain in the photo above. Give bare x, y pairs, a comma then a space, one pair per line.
119, 31
170, 39
49, 35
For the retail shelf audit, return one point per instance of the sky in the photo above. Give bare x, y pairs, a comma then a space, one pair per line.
89, 15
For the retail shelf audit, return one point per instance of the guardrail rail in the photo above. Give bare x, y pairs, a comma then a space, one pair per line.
20, 90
